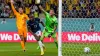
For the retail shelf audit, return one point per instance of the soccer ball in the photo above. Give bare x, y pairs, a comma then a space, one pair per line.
38, 1
86, 49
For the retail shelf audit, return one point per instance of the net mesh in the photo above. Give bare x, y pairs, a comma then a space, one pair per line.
80, 16
72, 25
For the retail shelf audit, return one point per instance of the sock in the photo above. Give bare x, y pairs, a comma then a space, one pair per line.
24, 41
43, 44
56, 44
40, 44
23, 45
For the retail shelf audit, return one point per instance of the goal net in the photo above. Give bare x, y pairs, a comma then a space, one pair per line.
81, 28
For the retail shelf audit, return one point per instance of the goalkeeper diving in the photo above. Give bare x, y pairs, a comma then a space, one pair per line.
51, 24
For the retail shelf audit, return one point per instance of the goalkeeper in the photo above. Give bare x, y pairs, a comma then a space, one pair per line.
50, 26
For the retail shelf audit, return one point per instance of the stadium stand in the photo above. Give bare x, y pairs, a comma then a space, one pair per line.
81, 8
31, 7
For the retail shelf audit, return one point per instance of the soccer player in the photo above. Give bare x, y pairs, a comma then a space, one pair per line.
21, 19
50, 26
35, 29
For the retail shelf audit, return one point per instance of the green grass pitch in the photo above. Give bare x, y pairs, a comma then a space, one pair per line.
14, 49
77, 49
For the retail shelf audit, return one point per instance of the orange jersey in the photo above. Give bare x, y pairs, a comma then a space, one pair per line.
20, 19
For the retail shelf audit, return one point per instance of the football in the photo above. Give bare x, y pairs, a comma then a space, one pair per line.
86, 49
38, 1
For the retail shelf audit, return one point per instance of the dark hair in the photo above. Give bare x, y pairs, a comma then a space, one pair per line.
21, 7
52, 9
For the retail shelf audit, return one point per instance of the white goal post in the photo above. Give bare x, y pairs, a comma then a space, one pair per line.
60, 29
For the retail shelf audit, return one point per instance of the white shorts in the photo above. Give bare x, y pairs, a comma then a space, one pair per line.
38, 33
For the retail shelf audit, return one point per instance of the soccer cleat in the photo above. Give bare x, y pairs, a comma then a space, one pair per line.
24, 50
42, 53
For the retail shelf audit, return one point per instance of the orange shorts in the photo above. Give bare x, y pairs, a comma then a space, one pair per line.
22, 32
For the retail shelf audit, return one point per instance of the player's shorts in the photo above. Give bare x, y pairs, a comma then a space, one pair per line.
38, 33
46, 34
22, 32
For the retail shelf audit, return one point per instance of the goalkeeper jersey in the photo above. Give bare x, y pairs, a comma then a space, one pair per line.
50, 22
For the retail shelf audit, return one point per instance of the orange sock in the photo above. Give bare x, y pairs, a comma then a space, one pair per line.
23, 45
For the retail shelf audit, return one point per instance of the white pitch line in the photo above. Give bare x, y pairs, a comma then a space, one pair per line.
9, 50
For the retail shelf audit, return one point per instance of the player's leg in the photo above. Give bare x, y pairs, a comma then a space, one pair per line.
25, 35
22, 42
20, 32
55, 39
44, 34
37, 37
41, 39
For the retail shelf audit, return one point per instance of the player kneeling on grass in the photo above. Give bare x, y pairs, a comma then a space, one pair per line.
50, 26
35, 29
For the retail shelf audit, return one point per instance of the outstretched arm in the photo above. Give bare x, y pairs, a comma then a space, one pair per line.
41, 8
12, 6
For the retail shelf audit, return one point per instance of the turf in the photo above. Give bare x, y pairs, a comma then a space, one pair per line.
14, 49
77, 49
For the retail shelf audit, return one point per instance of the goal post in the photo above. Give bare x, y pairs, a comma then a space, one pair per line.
60, 29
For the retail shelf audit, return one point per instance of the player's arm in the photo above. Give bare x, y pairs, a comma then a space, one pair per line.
55, 28
29, 28
42, 23
41, 8
27, 17
55, 25
13, 8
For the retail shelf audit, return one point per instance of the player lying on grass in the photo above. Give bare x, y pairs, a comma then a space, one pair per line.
50, 26
35, 29
21, 19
